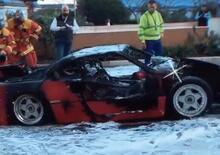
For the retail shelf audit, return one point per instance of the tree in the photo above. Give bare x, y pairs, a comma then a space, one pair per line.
98, 11
134, 6
44, 17
171, 11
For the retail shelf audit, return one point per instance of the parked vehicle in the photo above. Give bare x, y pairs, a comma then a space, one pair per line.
108, 83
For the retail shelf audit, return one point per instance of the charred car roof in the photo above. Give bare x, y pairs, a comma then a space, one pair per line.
104, 49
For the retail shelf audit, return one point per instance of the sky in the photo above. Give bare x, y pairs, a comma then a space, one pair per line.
168, 2
177, 2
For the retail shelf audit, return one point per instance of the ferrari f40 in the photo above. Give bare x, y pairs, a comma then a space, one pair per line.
107, 83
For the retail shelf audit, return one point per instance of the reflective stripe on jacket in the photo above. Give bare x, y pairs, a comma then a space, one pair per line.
151, 26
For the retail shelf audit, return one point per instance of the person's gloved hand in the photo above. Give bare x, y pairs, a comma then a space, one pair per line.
22, 54
14, 52
3, 52
34, 36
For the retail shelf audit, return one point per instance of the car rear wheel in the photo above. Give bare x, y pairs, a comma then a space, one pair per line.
28, 110
191, 98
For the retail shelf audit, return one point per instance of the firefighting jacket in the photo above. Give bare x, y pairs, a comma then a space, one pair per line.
23, 34
7, 41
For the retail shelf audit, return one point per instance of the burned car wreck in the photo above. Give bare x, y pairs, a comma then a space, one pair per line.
108, 83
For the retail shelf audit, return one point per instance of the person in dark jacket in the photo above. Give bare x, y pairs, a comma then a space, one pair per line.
64, 26
203, 16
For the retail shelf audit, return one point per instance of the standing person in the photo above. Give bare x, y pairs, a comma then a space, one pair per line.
64, 26
24, 30
203, 16
108, 22
151, 30
7, 44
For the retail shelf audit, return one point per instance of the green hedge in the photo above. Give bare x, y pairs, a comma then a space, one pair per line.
207, 45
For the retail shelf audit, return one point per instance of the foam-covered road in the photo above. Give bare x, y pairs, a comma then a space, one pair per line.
184, 137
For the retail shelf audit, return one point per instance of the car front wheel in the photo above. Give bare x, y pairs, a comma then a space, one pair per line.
191, 98
28, 110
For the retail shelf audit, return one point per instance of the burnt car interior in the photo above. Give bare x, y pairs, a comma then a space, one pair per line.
101, 85
68, 70
93, 75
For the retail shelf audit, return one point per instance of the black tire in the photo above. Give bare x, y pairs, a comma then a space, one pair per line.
190, 98
29, 110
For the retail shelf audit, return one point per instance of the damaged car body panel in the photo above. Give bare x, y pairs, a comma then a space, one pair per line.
87, 85
208, 71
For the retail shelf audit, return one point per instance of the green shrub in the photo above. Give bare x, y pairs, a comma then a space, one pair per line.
207, 45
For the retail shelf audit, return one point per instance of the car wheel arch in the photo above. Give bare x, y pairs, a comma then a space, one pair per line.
191, 81
47, 115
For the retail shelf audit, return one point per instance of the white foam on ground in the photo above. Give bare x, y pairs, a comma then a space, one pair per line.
185, 137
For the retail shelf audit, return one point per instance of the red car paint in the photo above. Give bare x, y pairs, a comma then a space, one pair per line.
3, 107
57, 97
75, 112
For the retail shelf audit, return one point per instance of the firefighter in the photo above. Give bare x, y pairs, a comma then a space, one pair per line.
24, 31
151, 30
7, 44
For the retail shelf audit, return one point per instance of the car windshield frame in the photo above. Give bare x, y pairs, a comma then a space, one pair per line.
135, 60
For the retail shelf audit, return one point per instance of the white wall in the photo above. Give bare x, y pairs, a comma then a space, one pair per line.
42, 2
215, 25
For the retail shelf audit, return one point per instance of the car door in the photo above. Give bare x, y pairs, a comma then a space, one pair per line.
63, 89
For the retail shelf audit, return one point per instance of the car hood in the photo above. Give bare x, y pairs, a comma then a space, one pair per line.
165, 64
162, 64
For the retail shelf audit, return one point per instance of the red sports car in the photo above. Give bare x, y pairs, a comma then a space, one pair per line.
107, 83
